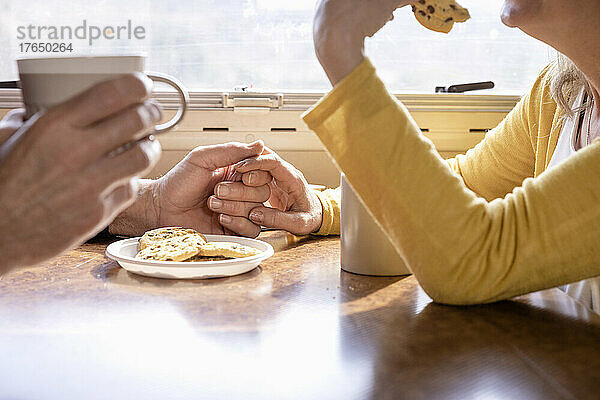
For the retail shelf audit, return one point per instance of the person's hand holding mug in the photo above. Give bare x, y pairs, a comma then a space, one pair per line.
294, 206
340, 28
11, 123
61, 179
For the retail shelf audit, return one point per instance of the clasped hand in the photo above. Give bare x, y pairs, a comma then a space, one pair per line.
293, 206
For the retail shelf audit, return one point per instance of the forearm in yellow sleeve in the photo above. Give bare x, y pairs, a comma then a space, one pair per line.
461, 248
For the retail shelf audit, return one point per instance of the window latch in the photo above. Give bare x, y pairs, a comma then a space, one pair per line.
10, 85
242, 101
466, 87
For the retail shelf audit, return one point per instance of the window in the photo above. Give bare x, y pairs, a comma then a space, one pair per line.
267, 44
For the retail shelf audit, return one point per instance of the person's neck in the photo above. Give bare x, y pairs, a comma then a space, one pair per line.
586, 56
577, 38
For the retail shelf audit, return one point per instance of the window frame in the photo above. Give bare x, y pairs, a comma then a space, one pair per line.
454, 122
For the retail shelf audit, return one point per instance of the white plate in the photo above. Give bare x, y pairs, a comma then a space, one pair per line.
125, 250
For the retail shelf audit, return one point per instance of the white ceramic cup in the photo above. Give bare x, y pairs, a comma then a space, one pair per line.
46, 82
366, 249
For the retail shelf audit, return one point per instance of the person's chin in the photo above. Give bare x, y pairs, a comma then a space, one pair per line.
509, 15
521, 13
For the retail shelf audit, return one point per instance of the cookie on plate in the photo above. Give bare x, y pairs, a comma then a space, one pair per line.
178, 248
156, 235
439, 15
227, 249
198, 258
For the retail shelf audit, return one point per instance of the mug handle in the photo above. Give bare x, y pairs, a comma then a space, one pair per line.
184, 98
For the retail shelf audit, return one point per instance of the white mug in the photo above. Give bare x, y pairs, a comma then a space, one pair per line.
366, 248
46, 82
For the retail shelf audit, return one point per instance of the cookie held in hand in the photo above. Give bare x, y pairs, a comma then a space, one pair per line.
439, 15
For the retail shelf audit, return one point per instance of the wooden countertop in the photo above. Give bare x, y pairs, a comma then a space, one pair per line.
80, 327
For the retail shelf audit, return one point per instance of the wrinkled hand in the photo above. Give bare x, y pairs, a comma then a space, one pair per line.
183, 195
59, 184
340, 28
294, 206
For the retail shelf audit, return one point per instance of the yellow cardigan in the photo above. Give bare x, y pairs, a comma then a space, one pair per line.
492, 226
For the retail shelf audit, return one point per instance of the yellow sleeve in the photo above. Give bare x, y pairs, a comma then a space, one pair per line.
330, 201
502, 160
461, 248
491, 169
506, 156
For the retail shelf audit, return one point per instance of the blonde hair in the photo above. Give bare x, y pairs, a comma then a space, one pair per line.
567, 82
